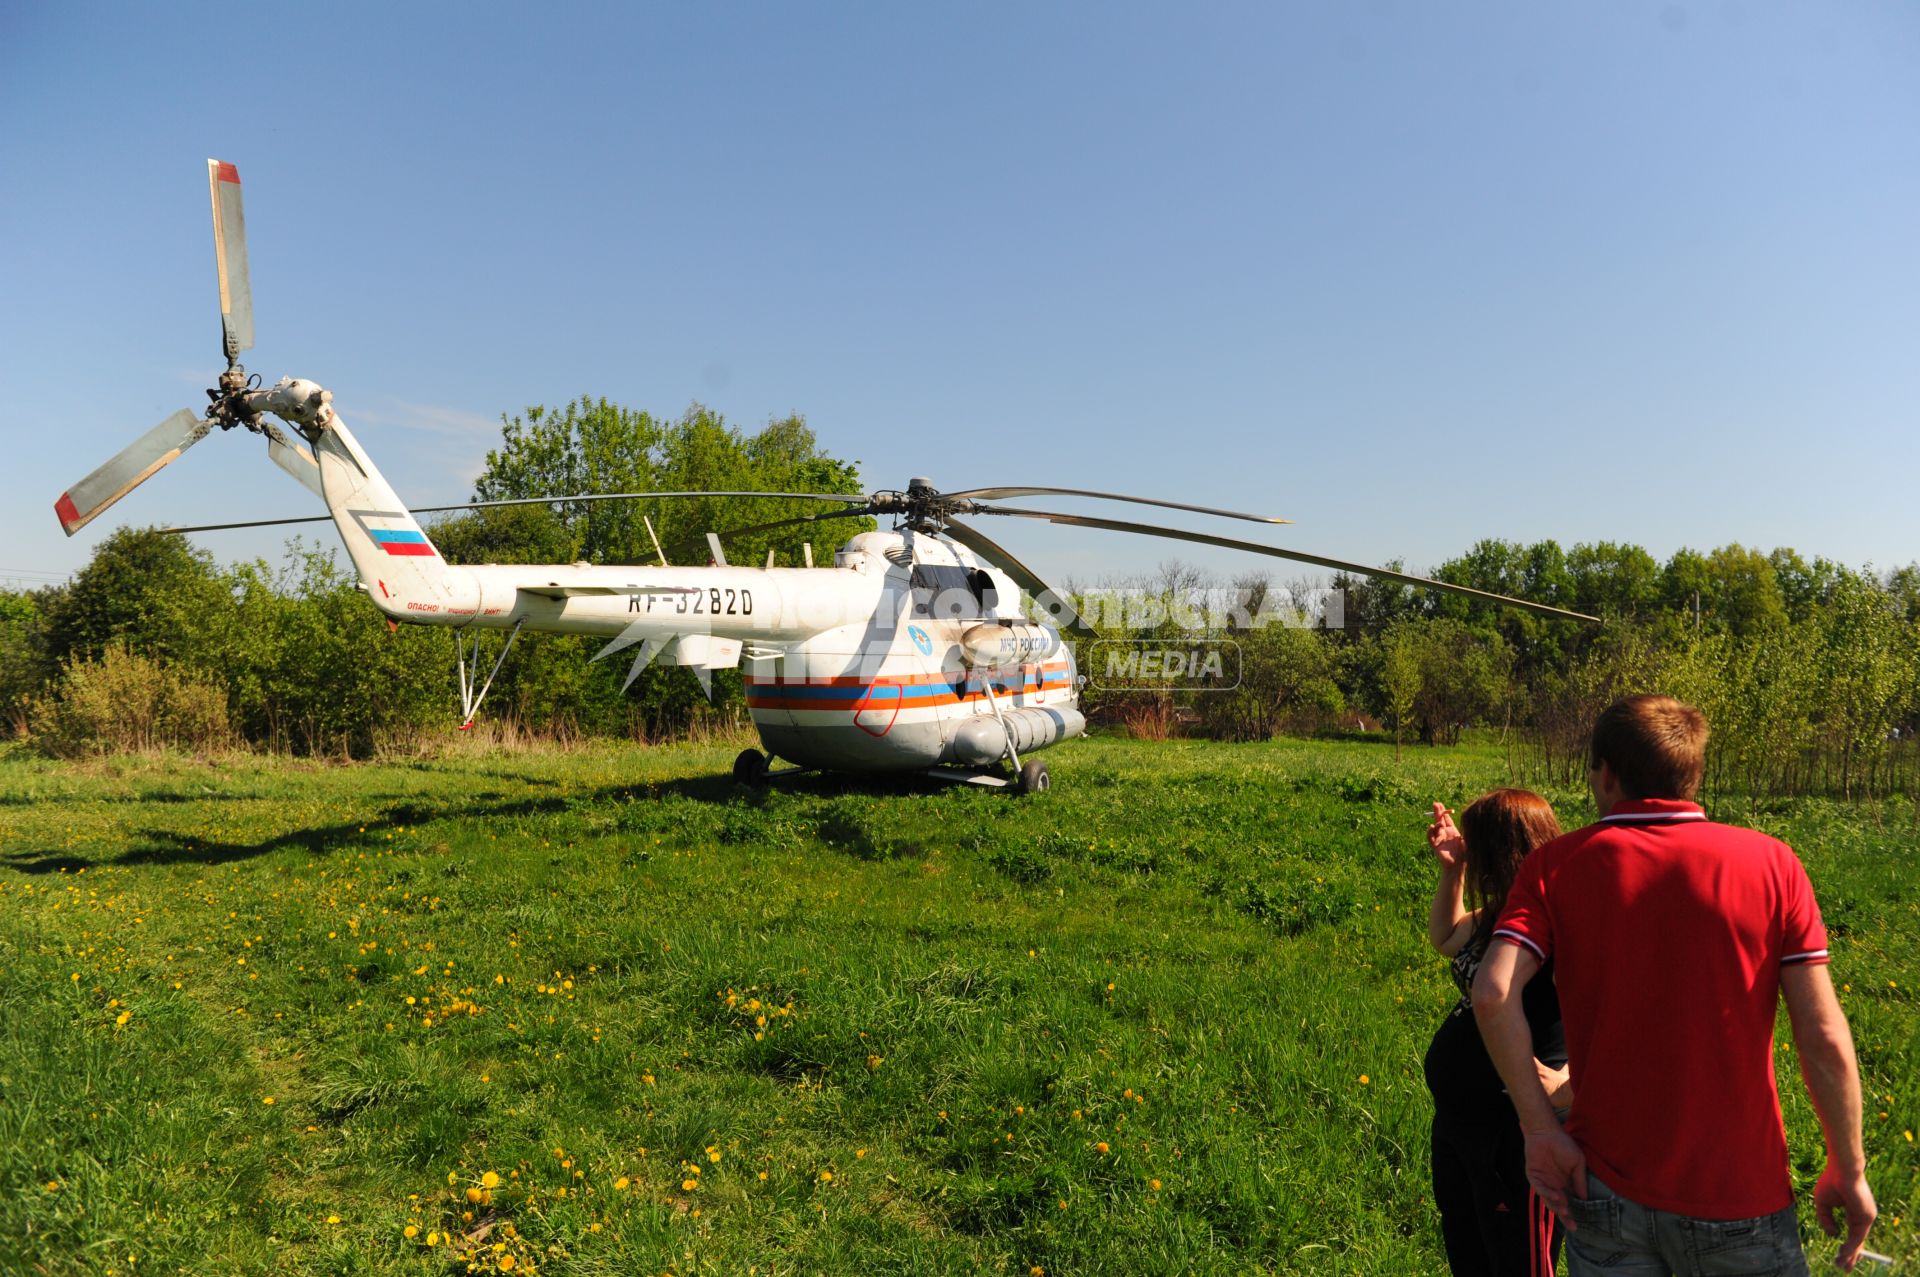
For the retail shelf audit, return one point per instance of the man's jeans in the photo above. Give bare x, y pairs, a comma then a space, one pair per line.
1615, 1237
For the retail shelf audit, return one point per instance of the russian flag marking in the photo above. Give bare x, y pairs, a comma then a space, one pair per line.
400, 541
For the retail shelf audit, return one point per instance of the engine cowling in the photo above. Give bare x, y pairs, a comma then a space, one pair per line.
992, 644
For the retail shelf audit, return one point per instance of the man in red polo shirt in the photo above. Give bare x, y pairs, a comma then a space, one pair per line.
1673, 939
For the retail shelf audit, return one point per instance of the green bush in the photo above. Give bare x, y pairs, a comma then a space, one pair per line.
123, 702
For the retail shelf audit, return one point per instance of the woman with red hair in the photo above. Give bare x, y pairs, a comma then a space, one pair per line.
1489, 1218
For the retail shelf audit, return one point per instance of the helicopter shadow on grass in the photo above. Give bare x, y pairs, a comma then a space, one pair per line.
721, 789
812, 796
173, 847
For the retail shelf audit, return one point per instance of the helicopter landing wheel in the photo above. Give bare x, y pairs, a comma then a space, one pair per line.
1033, 778
750, 768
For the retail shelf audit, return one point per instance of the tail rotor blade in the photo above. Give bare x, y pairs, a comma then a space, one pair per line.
230, 255
134, 465
294, 459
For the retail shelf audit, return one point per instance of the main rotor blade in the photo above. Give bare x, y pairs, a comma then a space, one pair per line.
856, 513
486, 505
994, 494
648, 496
132, 466
230, 256
1029, 580
1338, 565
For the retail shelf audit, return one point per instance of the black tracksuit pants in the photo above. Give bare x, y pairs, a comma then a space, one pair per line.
1492, 1224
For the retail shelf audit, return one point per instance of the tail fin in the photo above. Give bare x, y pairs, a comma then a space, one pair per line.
400, 570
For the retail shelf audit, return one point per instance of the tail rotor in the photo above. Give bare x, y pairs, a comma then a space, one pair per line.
233, 402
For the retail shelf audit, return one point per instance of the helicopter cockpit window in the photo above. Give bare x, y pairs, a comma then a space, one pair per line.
947, 592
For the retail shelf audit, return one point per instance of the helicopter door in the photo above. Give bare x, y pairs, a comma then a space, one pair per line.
948, 592
878, 708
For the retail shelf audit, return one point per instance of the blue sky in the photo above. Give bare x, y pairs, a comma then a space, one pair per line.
1409, 274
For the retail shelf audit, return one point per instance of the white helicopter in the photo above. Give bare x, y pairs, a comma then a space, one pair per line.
913, 652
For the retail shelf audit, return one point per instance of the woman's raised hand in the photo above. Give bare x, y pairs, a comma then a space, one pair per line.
1449, 848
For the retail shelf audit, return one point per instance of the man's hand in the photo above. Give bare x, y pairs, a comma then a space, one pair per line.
1449, 848
1557, 1083
1557, 1169
1825, 1046
1853, 1197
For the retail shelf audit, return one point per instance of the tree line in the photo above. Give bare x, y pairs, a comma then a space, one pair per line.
1809, 670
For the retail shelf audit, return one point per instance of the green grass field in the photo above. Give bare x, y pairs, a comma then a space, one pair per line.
602, 1012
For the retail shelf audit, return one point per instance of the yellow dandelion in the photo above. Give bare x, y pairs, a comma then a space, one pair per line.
1101, 1146
266, 1099
490, 1180
1154, 1184
410, 1231
433, 1239
826, 1177
620, 1185
1365, 1080
689, 1184
506, 1262
333, 1219
473, 1196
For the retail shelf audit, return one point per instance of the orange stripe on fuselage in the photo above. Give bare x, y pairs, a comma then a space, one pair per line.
903, 680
